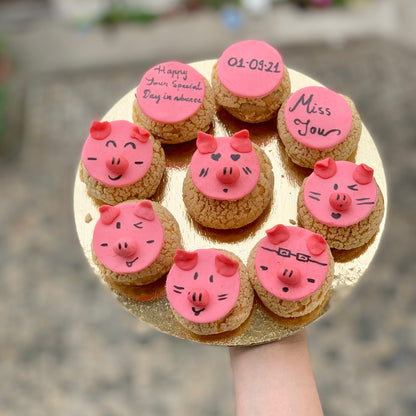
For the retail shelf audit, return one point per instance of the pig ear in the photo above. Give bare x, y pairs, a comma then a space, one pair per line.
140, 134
144, 210
363, 174
185, 260
206, 143
241, 142
225, 266
108, 214
278, 234
325, 168
100, 130
316, 244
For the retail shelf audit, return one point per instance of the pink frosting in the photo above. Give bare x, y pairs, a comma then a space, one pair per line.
318, 117
335, 197
292, 262
128, 237
203, 286
250, 69
117, 153
225, 168
171, 92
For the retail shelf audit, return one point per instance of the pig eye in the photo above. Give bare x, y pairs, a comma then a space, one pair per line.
111, 142
284, 252
302, 257
335, 186
235, 157
353, 187
216, 156
133, 145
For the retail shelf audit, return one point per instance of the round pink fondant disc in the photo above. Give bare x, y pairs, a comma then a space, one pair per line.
97, 156
250, 69
318, 191
293, 255
318, 117
148, 237
171, 92
205, 166
223, 291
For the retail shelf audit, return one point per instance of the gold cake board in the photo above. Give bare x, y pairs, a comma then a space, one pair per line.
262, 326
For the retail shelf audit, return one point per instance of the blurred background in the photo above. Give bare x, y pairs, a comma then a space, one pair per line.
66, 346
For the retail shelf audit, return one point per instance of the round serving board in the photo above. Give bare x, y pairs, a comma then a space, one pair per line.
150, 304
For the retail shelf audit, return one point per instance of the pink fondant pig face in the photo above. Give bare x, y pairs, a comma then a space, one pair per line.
128, 237
340, 193
292, 262
117, 153
203, 285
225, 168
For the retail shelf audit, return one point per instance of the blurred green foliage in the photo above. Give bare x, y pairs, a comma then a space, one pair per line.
118, 14
3, 92
213, 4
3, 106
124, 14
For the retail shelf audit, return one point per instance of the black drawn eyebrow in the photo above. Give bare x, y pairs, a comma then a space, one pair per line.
112, 142
203, 172
133, 145
178, 289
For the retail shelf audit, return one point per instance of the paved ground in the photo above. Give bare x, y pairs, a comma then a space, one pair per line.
67, 348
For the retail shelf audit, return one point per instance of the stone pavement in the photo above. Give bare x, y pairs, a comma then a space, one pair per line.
68, 348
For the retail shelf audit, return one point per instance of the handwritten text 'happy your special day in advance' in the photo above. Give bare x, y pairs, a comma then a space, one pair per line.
167, 84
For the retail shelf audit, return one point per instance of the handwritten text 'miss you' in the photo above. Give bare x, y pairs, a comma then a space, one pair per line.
306, 105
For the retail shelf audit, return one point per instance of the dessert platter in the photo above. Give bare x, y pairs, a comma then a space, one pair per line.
240, 252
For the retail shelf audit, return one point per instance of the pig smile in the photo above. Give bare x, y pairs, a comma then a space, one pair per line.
197, 312
130, 263
115, 178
